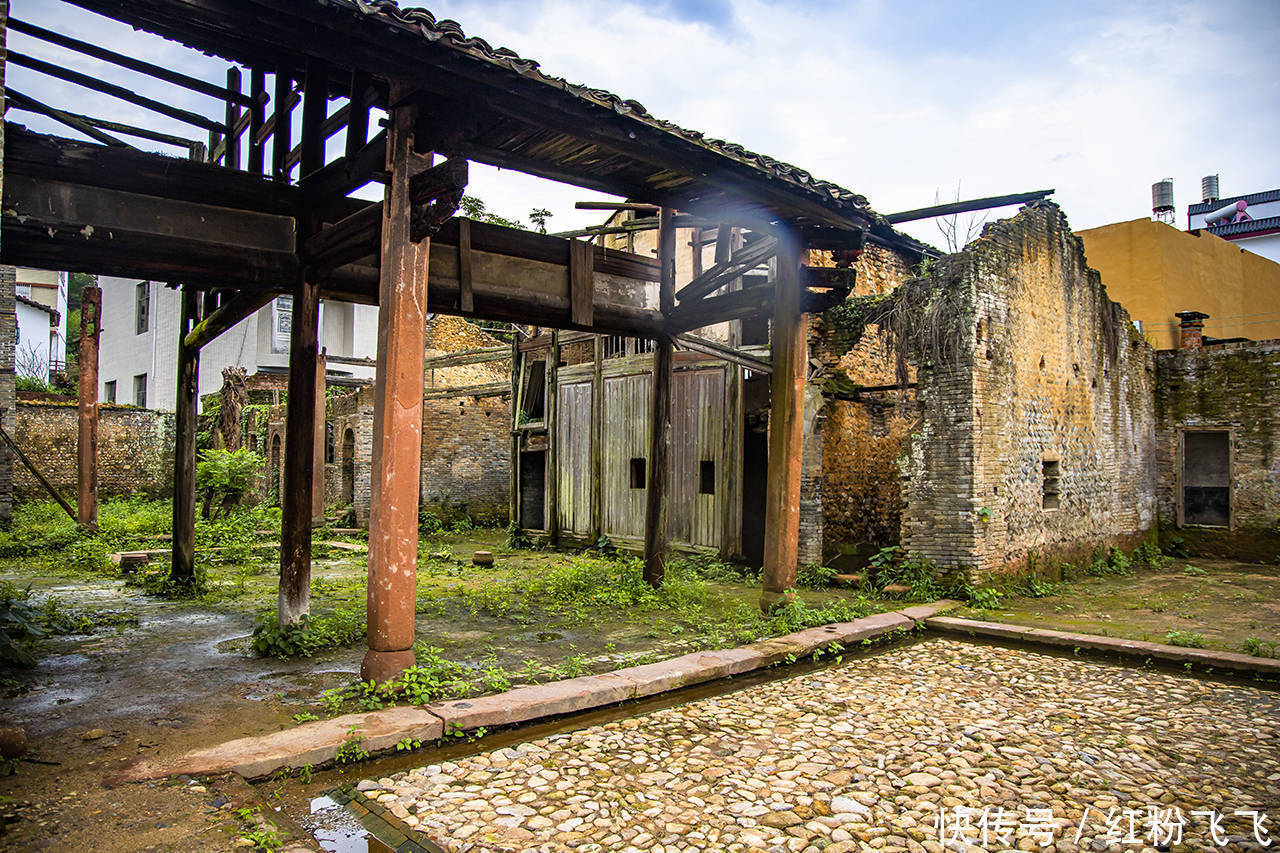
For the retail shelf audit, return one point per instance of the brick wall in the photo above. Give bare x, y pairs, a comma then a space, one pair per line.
1044, 369
1233, 387
135, 450
862, 434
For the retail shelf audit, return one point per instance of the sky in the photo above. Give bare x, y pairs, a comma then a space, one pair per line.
908, 103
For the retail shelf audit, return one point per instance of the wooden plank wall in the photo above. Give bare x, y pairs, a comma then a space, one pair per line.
573, 454
698, 433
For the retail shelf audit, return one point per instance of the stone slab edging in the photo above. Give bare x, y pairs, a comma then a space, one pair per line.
1229, 661
317, 743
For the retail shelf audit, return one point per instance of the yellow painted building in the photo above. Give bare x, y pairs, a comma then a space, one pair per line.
1154, 270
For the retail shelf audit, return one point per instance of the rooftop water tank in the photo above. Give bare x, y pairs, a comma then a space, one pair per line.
1162, 198
1209, 188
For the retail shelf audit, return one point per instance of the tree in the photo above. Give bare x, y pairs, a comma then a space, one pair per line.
474, 208
959, 229
539, 216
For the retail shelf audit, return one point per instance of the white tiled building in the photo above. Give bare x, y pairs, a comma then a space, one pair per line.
139, 347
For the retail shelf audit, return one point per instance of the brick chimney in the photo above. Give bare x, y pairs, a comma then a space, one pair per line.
1192, 329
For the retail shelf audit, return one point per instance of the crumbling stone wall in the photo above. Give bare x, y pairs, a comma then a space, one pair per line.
135, 450
1233, 387
1039, 367
862, 432
351, 412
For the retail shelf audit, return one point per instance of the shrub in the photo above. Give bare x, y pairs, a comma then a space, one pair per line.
1149, 554
223, 477
815, 576
1260, 648
985, 598
19, 626
1034, 587
308, 636
1185, 639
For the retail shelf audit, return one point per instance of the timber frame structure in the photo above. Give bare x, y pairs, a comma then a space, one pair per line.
250, 214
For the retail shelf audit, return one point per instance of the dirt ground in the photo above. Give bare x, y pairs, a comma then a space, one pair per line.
1223, 603
162, 677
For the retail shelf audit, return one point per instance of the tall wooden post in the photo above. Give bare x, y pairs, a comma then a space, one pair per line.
87, 443
655, 505
551, 415
397, 414
597, 444
299, 457
182, 568
786, 427
320, 444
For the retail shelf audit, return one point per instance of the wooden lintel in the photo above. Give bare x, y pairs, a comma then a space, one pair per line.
224, 317
472, 356
714, 348
350, 172
492, 389
735, 305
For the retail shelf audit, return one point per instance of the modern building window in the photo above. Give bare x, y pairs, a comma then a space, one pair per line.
637, 472
1051, 471
142, 307
281, 323
707, 477
109, 392
140, 390
22, 289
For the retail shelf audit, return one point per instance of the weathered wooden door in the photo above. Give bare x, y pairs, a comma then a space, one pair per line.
573, 458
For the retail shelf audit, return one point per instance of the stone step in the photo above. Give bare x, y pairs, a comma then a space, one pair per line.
896, 589
849, 580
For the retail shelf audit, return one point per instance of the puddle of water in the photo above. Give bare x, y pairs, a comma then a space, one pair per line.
337, 830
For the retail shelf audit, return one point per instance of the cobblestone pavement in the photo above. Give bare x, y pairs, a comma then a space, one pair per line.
866, 756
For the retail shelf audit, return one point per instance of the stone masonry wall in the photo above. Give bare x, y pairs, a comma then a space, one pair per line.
862, 435
8, 397
135, 450
1234, 387
1045, 370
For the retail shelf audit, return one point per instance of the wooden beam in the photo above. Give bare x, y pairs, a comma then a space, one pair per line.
35, 472
721, 274
70, 76
618, 205
168, 75
87, 436
465, 357
103, 124
19, 101
735, 305
281, 123
966, 206
257, 117
655, 506
786, 428
581, 282
726, 353
488, 389
182, 567
231, 142
315, 106
336, 179
358, 117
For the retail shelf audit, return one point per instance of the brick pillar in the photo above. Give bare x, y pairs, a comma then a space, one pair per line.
8, 324
810, 545
1191, 329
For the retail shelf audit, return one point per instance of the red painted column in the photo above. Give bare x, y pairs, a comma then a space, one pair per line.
397, 415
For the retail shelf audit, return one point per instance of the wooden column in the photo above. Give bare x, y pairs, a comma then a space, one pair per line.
551, 416
87, 444
184, 445
786, 427
655, 505
299, 457
513, 500
320, 445
397, 418
597, 441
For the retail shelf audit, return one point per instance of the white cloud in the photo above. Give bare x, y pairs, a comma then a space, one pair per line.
899, 101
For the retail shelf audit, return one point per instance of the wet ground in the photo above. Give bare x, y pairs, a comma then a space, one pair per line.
1222, 604
158, 678
932, 746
